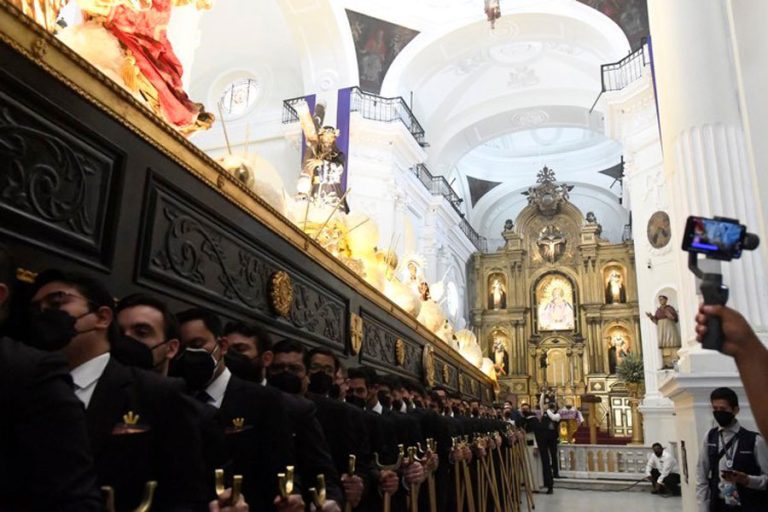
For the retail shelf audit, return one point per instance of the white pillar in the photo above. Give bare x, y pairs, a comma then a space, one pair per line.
706, 161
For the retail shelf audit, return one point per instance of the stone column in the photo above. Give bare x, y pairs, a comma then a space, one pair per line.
706, 161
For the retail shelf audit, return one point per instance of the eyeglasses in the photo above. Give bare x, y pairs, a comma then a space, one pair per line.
317, 367
296, 369
55, 300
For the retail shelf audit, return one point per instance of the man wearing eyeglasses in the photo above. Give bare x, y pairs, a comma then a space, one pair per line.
137, 421
45, 463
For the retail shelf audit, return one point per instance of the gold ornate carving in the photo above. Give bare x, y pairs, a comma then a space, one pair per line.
355, 333
25, 276
281, 293
446, 373
428, 364
39, 48
400, 352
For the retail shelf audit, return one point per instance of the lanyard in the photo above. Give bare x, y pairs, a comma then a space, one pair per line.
727, 450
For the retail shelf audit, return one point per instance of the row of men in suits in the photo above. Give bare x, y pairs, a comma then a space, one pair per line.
106, 394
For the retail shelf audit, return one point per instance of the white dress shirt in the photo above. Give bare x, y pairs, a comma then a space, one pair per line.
218, 387
757, 482
87, 375
665, 465
378, 408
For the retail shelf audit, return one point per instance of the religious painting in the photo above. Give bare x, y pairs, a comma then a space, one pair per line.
498, 343
554, 304
377, 43
659, 231
615, 289
619, 346
497, 291
630, 15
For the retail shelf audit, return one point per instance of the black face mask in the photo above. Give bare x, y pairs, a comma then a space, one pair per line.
196, 366
658, 454
397, 405
418, 404
335, 391
356, 401
52, 329
526, 413
244, 367
320, 383
723, 418
384, 399
456, 411
507, 414
286, 382
131, 352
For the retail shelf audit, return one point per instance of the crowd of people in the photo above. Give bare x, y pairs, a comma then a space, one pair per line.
102, 396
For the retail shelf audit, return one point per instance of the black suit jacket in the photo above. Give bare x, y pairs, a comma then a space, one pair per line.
45, 461
313, 456
164, 446
264, 446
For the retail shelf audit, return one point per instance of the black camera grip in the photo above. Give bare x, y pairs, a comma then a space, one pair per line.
715, 294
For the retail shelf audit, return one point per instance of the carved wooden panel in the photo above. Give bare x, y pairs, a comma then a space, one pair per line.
56, 177
379, 347
190, 247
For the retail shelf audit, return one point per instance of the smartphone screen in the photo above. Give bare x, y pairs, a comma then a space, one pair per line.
717, 238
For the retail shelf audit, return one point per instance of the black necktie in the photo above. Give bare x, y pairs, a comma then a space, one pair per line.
204, 397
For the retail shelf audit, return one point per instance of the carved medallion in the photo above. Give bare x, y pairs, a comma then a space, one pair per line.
355, 333
659, 231
400, 352
446, 373
428, 364
281, 293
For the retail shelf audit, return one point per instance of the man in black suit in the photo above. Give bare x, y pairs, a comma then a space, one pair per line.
46, 464
289, 374
147, 322
252, 416
343, 424
138, 422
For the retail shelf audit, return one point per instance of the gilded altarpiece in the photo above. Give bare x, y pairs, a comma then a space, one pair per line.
570, 311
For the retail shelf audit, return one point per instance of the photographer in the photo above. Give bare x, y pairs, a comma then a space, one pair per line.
751, 356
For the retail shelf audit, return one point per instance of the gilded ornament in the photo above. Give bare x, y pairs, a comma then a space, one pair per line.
355, 333
281, 293
400, 352
428, 364
39, 48
446, 373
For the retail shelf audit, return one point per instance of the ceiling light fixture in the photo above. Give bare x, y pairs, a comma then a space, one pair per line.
493, 11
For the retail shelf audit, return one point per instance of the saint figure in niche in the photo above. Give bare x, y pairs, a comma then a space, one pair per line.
497, 296
618, 350
667, 330
500, 356
615, 292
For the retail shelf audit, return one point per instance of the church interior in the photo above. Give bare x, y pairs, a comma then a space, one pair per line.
487, 196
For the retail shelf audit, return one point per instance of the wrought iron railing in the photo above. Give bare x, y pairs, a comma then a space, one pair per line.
370, 106
439, 186
388, 110
615, 76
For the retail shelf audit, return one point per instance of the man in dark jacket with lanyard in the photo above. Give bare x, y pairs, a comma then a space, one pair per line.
732, 473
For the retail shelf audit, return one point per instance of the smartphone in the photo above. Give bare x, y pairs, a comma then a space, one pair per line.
717, 238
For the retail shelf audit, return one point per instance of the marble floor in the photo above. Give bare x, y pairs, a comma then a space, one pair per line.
567, 500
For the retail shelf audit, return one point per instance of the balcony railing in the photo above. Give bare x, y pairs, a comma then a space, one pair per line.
439, 186
370, 106
615, 76
598, 461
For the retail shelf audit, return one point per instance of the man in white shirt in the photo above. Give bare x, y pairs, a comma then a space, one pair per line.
662, 471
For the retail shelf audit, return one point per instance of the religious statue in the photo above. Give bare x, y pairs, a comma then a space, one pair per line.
615, 292
618, 350
557, 314
551, 243
500, 356
509, 225
592, 220
323, 168
134, 35
424, 291
666, 320
497, 296
548, 195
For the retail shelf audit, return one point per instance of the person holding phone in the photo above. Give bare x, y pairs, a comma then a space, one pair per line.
732, 472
